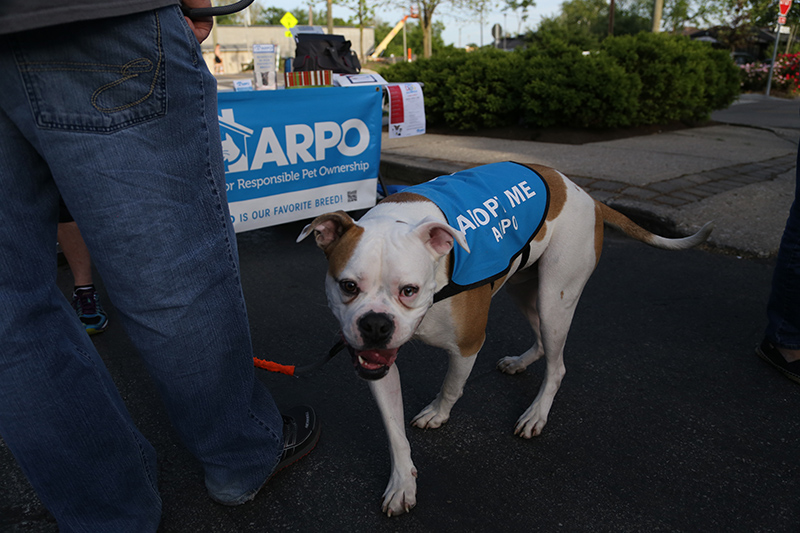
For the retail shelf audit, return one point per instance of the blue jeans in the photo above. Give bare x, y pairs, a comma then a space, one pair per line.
783, 309
120, 116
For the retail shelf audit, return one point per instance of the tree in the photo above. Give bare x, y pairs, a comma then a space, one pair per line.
426, 10
680, 13
584, 23
522, 6
365, 14
555, 29
271, 16
633, 16
737, 20
760, 13
581, 22
414, 36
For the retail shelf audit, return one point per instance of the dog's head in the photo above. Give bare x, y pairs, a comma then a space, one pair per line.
381, 280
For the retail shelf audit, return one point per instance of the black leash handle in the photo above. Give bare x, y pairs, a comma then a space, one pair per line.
308, 369
201, 12
291, 370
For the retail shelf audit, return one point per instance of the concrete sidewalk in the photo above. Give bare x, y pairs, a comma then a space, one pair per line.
739, 173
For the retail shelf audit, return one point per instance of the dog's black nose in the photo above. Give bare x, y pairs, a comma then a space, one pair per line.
376, 329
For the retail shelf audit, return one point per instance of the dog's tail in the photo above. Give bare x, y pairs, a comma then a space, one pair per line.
630, 228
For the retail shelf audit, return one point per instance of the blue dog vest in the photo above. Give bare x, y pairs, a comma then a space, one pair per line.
499, 208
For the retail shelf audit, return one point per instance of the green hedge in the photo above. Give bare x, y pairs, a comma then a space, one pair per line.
465, 90
681, 79
566, 87
630, 80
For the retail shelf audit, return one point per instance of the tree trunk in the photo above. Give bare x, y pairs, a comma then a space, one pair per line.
427, 33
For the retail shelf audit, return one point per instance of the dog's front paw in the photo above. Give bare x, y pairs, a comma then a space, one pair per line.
433, 416
531, 423
512, 365
400, 495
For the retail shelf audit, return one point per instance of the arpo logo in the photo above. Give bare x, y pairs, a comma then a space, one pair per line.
303, 142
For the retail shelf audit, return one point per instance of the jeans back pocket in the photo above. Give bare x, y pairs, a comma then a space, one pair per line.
95, 76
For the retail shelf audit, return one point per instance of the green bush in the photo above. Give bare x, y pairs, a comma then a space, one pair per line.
629, 80
434, 74
568, 88
483, 92
722, 80
466, 90
681, 79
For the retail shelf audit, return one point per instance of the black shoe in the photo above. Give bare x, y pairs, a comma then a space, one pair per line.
300, 435
301, 432
770, 354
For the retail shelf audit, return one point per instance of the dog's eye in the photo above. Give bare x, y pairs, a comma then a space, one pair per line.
408, 291
348, 286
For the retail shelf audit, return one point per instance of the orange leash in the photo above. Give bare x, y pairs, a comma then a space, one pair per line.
274, 367
291, 370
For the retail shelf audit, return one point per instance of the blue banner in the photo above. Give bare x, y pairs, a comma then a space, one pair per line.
295, 154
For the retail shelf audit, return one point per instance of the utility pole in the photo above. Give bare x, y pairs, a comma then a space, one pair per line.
481, 25
774, 55
783, 10
405, 44
657, 16
330, 17
611, 9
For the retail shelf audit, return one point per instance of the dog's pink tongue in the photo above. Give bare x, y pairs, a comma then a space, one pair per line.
372, 359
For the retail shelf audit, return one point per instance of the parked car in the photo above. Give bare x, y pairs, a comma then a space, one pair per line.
742, 58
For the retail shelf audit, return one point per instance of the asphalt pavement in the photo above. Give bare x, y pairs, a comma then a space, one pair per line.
666, 420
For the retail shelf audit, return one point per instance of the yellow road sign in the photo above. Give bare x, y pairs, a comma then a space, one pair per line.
288, 21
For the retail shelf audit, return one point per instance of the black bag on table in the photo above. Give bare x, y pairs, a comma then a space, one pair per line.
325, 52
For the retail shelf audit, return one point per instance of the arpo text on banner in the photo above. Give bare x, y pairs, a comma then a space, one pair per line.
291, 155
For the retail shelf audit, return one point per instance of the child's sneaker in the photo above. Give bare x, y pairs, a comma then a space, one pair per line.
90, 312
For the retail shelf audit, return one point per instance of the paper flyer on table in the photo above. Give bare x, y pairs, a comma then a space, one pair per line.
406, 110
356, 80
265, 65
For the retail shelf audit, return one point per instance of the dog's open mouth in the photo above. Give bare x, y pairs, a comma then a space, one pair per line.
372, 364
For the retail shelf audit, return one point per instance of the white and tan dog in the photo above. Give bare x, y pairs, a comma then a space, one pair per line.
385, 270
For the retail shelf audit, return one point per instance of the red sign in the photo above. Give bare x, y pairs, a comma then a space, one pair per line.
781, 20
785, 5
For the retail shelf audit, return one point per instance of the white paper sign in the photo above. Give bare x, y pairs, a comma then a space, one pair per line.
242, 85
356, 80
406, 110
264, 65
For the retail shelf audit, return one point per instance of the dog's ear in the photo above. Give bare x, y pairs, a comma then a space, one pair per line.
327, 228
439, 237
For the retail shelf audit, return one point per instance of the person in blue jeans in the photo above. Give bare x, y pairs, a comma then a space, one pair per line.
781, 344
112, 105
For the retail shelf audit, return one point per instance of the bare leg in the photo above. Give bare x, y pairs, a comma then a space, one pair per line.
76, 253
